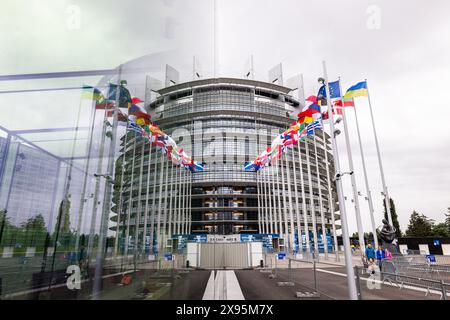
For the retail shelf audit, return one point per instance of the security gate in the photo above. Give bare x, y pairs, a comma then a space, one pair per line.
225, 255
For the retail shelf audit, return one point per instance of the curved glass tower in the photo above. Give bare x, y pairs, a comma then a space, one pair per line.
223, 123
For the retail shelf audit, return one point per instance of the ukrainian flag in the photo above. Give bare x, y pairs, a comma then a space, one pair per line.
358, 90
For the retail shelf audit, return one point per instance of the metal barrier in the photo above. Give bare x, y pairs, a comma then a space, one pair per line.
401, 280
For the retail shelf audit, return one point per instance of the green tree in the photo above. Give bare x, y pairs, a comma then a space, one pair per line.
33, 231
440, 230
447, 220
419, 225
395, 222
7, 230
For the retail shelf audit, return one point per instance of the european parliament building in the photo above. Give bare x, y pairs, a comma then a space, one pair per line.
224, 122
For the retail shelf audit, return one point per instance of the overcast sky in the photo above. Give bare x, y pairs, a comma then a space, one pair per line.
401, 47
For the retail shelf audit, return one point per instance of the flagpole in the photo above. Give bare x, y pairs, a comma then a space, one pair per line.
130, 202
291, 214
322, 217
301, 90
297, 208
263, 204
120, 202
179, 202
170, 219
380, 162
96, 191
86, 175
330, 196
158, 226
273, 225
304, 208
137, 217
164, 228
106, 209
147, 193
152, 222
285, 209
353, 294
280, 217
362, 242
311, 201
258, 191
369, 195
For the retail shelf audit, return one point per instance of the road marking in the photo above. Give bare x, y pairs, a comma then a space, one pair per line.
209, 290
234, 291
223, 285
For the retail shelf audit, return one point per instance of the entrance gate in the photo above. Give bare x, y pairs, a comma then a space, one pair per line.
225, 255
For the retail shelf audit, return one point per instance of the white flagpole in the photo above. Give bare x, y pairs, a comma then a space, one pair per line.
383, 180
158, 225
280, 217
285, 204
353, 294
190, 204
311, 201
258, 187
301, 91
178, 220
362, 242
172, 183
85, 177
291, 214
152, 222
144, 233
297, 208
322, 217
366, 180
130, 202
165, 220
304, 208
137, 217
330, 197
273, 218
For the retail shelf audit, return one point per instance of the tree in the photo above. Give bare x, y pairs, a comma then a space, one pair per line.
447, 220
419, 225
395, 222
440, 230
34, 231
7, 230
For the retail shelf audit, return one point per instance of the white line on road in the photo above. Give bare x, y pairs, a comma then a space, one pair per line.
223, 285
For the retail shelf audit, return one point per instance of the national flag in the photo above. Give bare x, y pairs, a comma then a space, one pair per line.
347, 102
140, 113
133, 127
358, 90
199, 166
136, 100
315, 108
316, 125
312, 99
335, 90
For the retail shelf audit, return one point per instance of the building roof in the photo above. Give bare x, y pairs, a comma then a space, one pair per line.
246, 82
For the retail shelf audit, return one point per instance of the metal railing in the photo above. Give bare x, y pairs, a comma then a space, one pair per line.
401, 281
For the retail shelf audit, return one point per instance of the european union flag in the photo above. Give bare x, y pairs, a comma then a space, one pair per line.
335, 91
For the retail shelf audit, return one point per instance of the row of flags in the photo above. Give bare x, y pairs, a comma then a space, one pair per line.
309, 120
138, 121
